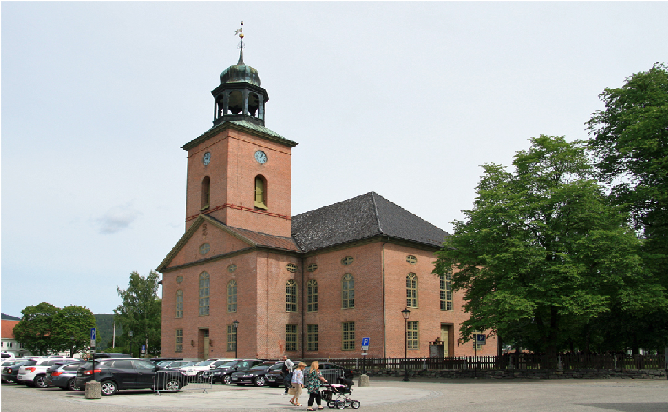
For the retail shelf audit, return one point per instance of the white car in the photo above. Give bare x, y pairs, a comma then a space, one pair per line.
34, 373
198, 368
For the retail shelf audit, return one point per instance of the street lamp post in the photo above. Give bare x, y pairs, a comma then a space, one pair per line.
406, 313
130, 335
236, 338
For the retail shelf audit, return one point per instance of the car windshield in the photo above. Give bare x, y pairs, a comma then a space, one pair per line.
277, 366
260, 367
204, 363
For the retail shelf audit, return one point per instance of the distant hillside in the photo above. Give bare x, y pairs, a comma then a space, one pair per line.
7, 317
105, 330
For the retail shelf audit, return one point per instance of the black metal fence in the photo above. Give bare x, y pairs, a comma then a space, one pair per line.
569, 361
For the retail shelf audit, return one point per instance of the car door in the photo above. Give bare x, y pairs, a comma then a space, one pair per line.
145, 371
123, 372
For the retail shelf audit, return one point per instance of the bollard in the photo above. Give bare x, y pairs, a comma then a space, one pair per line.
93, 390
363, 380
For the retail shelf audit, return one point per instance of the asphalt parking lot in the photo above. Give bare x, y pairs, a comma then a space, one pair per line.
389, 394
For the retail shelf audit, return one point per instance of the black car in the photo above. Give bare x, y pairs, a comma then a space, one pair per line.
256, 374
129, 373
275, 377
223, 373
10, 373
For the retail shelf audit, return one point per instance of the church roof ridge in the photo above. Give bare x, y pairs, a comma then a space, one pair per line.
362, 217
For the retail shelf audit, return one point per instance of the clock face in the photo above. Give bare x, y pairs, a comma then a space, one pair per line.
261, 157
207, 158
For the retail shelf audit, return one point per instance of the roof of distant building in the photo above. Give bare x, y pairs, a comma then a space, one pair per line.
362, 217
8, 328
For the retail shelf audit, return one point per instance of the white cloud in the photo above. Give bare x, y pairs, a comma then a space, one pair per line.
117, 219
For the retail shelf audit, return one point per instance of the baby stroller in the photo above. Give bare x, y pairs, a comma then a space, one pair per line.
337, 395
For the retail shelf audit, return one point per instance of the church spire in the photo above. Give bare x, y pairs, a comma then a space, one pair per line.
239, 96
241, 43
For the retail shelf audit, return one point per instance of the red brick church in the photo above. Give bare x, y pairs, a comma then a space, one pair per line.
248, 279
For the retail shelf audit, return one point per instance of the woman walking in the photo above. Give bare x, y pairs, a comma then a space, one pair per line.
297, 384
313, 379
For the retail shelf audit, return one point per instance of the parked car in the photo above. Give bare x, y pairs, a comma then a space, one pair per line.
179, 364
275, 377
9, 373
129, 373
223, 373
255, 375
34, 374
197, 368
64, 375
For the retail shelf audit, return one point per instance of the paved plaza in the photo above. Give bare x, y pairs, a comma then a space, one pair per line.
383, 395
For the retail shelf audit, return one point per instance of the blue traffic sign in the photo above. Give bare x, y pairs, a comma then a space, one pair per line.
480, 339
92, 333
365, 343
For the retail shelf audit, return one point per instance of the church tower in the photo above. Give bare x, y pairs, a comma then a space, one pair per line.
239, 171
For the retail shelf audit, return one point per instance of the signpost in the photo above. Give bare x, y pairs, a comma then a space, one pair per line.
365, 348
93, 335
478, 339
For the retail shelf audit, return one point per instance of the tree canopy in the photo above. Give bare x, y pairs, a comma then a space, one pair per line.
629, 140
46, 329
140, 313
543, 254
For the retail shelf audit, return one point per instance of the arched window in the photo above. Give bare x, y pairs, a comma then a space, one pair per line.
446, 291
260, 192
232, 296
203, 294
348, 291
312, 295
291, 296
411, 290
206, 192
179, 303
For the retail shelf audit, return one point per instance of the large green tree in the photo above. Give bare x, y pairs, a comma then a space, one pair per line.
71, 328
35, 330
629, 139
543, 254
46, 329
140, 312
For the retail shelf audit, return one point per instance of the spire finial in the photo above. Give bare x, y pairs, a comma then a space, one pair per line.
241, 43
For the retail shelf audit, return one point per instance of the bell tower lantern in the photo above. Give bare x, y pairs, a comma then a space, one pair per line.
239, 96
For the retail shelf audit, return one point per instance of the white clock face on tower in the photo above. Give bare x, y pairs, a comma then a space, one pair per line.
261, 157
207, 158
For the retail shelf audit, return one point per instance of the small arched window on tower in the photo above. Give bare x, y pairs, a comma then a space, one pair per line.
206, 192
260, 192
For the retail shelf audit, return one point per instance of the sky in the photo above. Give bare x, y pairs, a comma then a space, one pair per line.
406, 99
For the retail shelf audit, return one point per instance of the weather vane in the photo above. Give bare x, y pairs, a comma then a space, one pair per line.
241, 35
241, 43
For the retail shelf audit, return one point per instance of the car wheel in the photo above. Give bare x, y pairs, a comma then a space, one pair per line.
172, 385
39, 381
259, 381
227, 379
108, 388
71, 385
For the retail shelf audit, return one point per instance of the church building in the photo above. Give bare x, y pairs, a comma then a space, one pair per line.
248, 279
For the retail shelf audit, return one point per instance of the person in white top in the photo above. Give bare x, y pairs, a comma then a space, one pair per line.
288, 367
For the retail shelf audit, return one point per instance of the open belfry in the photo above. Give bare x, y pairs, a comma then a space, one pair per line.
248, 279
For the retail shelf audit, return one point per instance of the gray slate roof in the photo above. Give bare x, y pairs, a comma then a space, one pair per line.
361, 217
